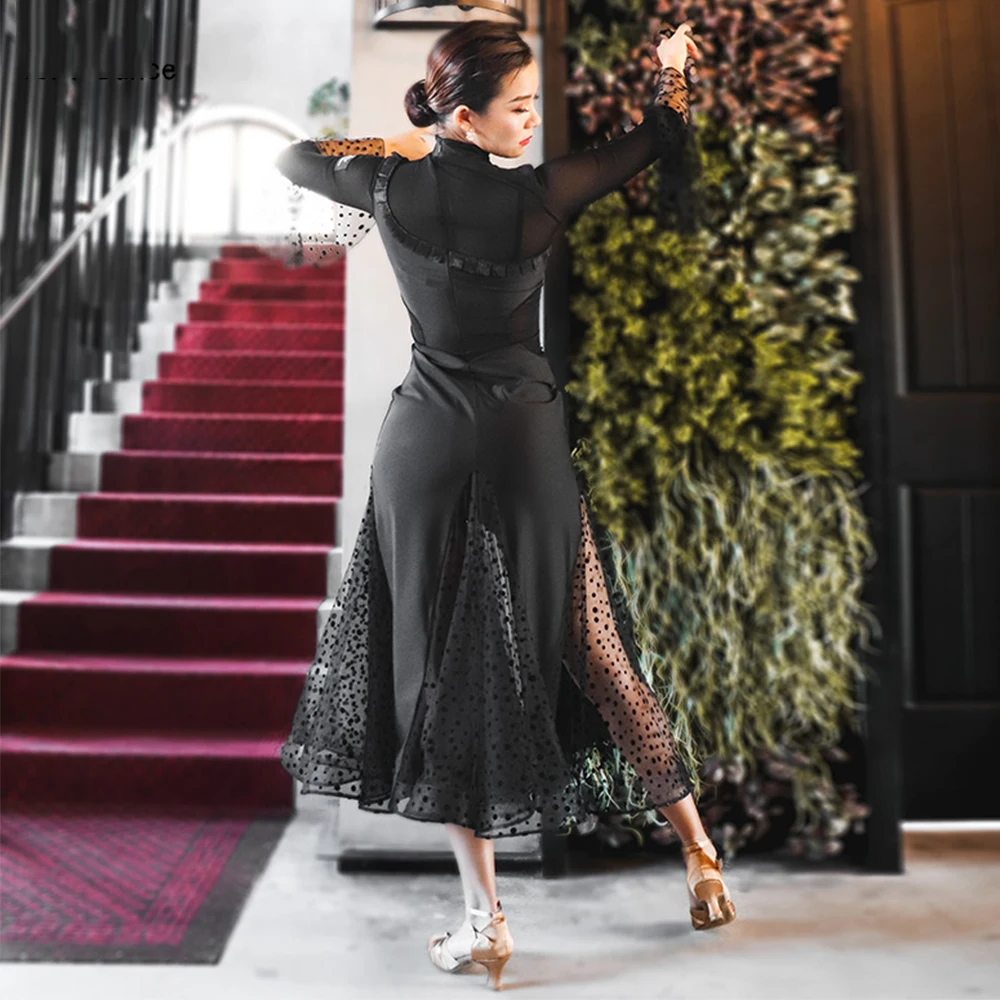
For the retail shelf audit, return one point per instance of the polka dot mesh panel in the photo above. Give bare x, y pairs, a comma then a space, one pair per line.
671, 91
347, 227
484, 749
604, 661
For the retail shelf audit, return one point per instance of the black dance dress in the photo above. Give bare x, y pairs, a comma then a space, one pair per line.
479, 645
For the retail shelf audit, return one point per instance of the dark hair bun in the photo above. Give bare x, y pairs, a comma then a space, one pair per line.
417, 109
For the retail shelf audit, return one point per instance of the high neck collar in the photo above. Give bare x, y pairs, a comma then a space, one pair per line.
458, 148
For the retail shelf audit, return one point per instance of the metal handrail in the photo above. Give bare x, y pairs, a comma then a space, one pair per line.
118, 191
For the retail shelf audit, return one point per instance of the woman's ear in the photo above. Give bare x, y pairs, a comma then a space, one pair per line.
462, 118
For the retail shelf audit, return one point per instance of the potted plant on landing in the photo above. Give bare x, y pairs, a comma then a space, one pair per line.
332, 98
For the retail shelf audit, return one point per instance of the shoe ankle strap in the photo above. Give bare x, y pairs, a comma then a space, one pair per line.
699, 842
700, 845
489, 915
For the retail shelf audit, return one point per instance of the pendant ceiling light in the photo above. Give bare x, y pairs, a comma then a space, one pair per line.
445, 13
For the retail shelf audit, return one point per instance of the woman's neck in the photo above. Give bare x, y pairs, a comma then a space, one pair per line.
448, 134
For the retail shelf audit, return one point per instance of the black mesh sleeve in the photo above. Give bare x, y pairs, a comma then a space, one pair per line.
340, 169
665, 134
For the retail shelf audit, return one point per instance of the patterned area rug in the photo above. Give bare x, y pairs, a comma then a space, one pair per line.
81, 885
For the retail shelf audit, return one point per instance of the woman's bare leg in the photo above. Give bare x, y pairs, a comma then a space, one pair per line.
683, 816
476, 866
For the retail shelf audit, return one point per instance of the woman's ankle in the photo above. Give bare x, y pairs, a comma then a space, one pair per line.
484, 906
705, 843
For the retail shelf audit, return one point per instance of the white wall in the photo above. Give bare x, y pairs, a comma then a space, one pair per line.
272, 53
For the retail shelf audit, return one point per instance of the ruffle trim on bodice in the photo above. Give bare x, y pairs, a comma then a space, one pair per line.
454, 258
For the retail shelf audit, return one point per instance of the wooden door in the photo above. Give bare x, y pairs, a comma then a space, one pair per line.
923, 99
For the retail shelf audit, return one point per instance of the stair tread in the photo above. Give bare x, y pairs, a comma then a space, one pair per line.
153, 545
241, 602
209, 415
226, 456
268, 282
278, 326
70, 741
203, 498
138, 663
161, 497
310, 303
257, 383
209, 353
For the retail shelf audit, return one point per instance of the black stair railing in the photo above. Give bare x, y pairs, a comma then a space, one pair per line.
96, 103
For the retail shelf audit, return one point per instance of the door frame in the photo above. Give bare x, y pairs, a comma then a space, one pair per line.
871, 254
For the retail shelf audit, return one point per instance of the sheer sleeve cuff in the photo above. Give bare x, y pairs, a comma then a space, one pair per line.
317, 234
669, 109
351, 147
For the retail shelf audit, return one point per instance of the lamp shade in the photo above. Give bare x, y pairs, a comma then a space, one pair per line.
444, 13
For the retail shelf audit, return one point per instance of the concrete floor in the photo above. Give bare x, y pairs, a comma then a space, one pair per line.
308, 931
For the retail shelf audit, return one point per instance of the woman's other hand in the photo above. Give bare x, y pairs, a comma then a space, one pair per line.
413, 145
675, 50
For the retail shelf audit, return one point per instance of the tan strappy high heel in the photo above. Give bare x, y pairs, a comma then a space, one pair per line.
708, 896
491, 951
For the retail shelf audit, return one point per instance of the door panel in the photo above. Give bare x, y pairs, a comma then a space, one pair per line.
933, 107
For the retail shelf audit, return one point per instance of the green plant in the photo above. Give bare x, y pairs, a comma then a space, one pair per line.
761, 61
331, 98
733, 335
713, 394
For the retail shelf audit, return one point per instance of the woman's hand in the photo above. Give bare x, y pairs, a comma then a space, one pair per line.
674, 51
414, 144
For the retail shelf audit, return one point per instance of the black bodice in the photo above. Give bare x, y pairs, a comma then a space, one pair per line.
468, 239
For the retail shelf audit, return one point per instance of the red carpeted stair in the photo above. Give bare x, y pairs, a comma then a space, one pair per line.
163, 665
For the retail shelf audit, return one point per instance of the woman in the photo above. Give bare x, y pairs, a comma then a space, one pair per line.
479, 642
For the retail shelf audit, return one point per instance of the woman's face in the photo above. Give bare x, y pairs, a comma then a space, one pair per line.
506, 126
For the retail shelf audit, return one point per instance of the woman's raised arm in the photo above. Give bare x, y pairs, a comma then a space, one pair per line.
340, 169
344, 169
576, 179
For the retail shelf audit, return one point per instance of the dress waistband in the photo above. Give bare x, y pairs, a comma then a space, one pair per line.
512, 371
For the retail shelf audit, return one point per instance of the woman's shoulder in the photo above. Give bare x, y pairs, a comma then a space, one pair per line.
525, 176
526, 171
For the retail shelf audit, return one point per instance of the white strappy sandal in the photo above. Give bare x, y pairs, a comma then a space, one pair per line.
492, 950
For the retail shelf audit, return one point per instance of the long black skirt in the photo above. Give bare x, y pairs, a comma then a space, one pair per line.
479, 646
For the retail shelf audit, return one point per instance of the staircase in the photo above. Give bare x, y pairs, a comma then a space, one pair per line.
161, 603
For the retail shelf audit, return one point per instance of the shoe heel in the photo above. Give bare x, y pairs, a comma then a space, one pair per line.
710, 907
496, 950
708, 899
494, 968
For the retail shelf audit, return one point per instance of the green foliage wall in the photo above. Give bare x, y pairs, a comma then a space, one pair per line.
713, 391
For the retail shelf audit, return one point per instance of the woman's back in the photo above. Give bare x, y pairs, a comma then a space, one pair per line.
493, 212
469, 240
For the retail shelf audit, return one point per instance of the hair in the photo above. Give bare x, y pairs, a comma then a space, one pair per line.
466, 66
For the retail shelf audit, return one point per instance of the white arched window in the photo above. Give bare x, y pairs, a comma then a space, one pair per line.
232, 190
